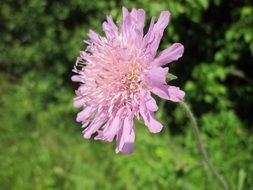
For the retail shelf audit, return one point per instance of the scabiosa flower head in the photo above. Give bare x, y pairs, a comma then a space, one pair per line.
118, 73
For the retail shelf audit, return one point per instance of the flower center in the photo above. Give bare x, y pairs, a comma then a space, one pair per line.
133, 78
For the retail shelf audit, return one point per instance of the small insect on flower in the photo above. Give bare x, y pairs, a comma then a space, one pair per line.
117, 74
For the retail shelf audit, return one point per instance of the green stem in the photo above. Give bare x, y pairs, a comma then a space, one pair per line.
200, 144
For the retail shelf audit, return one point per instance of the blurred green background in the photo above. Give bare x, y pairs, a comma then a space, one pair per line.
41, 144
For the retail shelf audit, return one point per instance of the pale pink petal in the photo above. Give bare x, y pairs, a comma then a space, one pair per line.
94, 36
79, 102
140, 18
172, 93
125, 12
175, 94
94, 125
132, 27
76, 78
146, 38
138, 21
85, 114
148, 116
126, 23
170, 54
154, 125
85, 56
112, 128
126, 137
110, 29
157, 31
149, 101
163, 21
157, 75
151, 104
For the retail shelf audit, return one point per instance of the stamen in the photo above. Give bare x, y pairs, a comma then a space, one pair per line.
132, 79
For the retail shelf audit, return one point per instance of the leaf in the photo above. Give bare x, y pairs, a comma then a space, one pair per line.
171, 77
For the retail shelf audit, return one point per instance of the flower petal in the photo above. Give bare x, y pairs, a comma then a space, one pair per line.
79, 102
125, 12
138, 21
153, 125
147, 114
157, 75
157, 32
112, 127
146, 38
126, 137
85, 56
94, 125
132, 27
151, 104
76, 78
94, 37
85, 114
175, 94
170, 54
167, 92
110, 28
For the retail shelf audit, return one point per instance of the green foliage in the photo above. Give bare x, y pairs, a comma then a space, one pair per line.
207, 86
41, 144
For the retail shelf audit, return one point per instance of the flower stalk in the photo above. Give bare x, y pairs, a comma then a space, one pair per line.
200, 145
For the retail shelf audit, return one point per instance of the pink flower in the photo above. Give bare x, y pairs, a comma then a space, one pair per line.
117, 74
